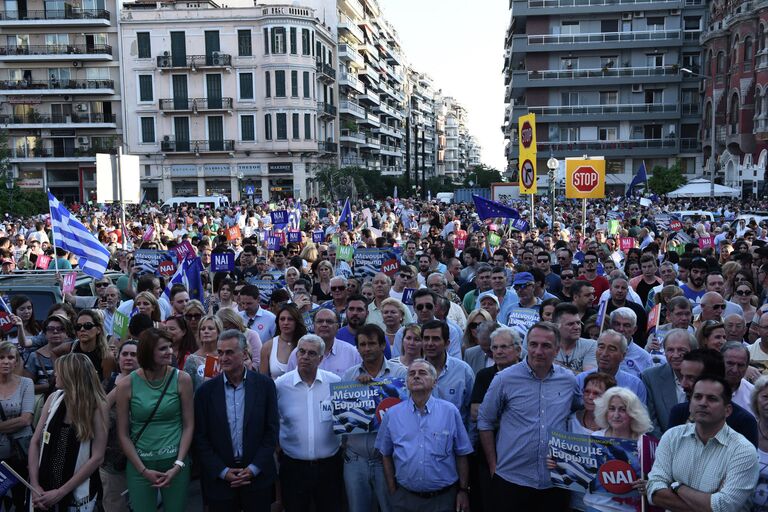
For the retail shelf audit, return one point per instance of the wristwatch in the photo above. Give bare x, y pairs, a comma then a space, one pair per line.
464, 489
179, 463
675, 487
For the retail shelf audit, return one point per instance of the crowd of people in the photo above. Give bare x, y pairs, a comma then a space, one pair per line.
619, 325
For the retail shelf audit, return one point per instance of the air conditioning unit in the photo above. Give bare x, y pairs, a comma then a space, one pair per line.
164, 61
626, 16
674, 12
83, 141
637, 88
216, 59
166, 138
82, 107
639, 14
67, 98
76, 64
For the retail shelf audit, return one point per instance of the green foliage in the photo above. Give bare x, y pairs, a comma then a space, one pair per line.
481, 176
25, 202
664, 180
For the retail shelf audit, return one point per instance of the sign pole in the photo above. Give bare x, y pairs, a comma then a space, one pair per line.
584, 215
532, 215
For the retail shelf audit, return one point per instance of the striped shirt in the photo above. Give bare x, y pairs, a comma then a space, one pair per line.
726, 466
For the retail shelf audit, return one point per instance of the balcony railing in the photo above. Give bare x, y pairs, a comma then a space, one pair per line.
604, 145
67, 14
326, 69
351, 52
57, 119
326, 108
217, 60
689, 109
349, 79
354, 107
690, 145
352, 161
195, 104
629, 108
57, 49
327, 147
346, 23
630, 72
197, 146
56, 84
604, 37
536, 4
69, 152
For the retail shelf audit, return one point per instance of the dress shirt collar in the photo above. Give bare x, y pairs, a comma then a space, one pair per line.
386, 368
427, 405
721, 436
297, 377
226, 380
533, 374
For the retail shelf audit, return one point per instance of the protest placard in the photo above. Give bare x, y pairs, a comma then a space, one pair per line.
222, 262
370, 261
266, 287
120, 325
68, 284
279, 217
233, 232
42, 262
358, 408
626, 243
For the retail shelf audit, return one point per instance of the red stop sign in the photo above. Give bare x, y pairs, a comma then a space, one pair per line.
585, 179
526, 134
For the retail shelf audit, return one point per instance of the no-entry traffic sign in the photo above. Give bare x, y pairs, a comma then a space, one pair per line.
584, 179
527, 174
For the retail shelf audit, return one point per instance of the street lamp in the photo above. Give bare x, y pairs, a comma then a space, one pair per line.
552, 165
712, 130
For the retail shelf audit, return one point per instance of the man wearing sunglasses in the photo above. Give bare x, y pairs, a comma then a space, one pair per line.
589, 273
525, 314
424, 305
712, 307
715, 282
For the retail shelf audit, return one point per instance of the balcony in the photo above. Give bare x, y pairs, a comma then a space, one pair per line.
389, 150
56, 52
55, 18
595, 76
352, 137
690, 109
619, 112
195, 62
353, 161
349, 54
388, 130
197, 146
325, 72
596, 40
690, 146
327, 147
326, 109
370, 119
349, 80
350, 27
369, 96
195, 104
56, 154
371, 143
639, 147
565, 7
348, 107
51, 87
36, 121
391, 170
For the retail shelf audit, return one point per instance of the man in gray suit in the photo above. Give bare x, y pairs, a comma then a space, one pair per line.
479, 356
663, 382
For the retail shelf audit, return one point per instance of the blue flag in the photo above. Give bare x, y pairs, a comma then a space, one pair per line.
346, 215
71, 235
294, 217
488, 209
188, 274
7, 480
640, 178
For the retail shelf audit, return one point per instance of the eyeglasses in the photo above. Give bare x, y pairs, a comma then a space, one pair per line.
473, 325
521, 286
338, 288
54, 330
502, 347
406, 276
193, 316
743, 292
428, 305
86, 326
102, 285
543, 260
566, 276
718, 306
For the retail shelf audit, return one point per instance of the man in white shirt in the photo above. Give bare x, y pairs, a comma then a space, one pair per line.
339, 356
736, 359
310, 462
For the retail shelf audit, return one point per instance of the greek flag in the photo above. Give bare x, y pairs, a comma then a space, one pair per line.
294, 217
188, 274
70, 234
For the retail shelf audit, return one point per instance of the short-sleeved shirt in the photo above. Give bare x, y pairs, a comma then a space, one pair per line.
40, 367
21, 401
583, 355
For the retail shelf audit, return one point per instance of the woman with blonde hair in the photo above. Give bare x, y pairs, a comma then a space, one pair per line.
146, 303
729, 271
92, 341
412, 345
321, 290
393, 314
200, 365
72, 436
230, 319
193, 312
474, 319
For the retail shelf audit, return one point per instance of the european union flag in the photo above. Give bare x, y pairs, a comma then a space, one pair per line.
346, 215
640, 178
188, 274
487, 209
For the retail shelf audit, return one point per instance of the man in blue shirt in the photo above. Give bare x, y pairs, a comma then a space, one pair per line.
610, 353
525, 402
424, 446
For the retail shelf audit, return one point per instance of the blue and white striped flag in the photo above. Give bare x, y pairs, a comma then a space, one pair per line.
70, 234
294, 217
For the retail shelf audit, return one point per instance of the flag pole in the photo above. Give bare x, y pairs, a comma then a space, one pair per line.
53, 235
120, 191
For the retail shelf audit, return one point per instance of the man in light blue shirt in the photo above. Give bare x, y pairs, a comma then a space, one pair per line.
611, 351
424, 447
254, 316
524, 403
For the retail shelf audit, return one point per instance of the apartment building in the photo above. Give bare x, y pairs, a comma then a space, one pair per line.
606, 78
423, 135
59, 91
239, 101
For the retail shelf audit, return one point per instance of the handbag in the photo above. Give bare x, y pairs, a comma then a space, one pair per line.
19, 445
121, 464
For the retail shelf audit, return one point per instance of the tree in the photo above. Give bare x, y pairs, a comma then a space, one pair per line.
482, 176
664, 180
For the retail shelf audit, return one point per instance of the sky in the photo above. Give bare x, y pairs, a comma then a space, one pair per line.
460, 45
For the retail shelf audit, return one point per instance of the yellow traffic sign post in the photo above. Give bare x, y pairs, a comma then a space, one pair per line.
526, 132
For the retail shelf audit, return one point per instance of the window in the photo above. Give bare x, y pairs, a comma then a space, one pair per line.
144, 44
691, 61
692, 23
748, 53
305, 44
307, 126
652, 131
267, 84
306, 85
294, 84
653, 95
720, 62
266, 40
147, 130
246, 86
609, 26
569, 27
608, 61
569, 133
278, 40
247, 128
282, 127
145, 88
655, 23
293, 41
268, 126
609, 97
609, 133
244, 45
569, 98
279, 84
295, 126
689, 96
569, 63
614, 166
654, 60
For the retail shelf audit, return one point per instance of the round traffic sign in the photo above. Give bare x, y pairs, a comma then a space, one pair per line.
526, 134
586, 179
527, 175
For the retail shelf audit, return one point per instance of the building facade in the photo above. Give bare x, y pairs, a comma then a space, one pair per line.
235, 101
59, 91
607, 78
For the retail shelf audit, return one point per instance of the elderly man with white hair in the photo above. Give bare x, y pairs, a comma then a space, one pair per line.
636, 360
611, 351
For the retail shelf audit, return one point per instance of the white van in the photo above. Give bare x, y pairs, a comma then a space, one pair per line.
444, 197
691, 214
214, 202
